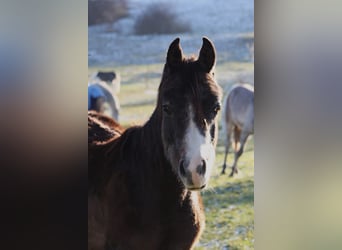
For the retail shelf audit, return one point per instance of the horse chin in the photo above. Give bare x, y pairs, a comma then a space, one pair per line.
192, 188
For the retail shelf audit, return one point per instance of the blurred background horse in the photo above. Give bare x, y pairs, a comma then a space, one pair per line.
103, 88
237, 121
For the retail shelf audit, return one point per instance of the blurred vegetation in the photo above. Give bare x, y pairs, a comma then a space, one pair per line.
158, 18
106, 11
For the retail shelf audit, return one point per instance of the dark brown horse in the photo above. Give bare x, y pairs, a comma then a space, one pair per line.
144, 185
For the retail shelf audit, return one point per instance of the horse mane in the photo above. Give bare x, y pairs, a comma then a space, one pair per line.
102, 129
145, 143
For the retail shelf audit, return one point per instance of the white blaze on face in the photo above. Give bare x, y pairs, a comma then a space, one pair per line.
198, 147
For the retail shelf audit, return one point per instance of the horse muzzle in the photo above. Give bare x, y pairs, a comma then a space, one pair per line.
194, 175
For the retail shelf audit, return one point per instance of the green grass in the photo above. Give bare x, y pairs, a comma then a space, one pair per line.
228, 202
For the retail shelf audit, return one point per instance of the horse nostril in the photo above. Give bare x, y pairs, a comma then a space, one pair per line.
181, 168
201, 168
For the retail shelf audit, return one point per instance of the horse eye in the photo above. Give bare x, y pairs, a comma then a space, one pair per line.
216, 108
167, 109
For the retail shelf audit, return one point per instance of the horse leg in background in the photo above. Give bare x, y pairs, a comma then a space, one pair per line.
226, 153
237, 133
243, 138
227, 145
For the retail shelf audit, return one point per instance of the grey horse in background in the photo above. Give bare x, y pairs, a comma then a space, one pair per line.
103, 100
237, 121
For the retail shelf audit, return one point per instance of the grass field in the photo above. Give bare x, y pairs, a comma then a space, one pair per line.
229, 202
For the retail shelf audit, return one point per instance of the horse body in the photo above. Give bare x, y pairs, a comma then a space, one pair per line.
238, 120
143, 185
102, 99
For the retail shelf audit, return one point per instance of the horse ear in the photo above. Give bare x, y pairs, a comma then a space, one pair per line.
207, 55
174, 54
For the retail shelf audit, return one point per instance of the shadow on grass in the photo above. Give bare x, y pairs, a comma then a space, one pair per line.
237, 193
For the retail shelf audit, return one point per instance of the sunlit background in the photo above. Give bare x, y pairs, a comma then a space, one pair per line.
134, 46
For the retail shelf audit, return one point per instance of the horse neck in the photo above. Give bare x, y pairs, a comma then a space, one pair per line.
157, 162
151, 136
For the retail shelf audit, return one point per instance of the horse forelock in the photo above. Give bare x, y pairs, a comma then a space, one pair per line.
188, 74
189, 82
